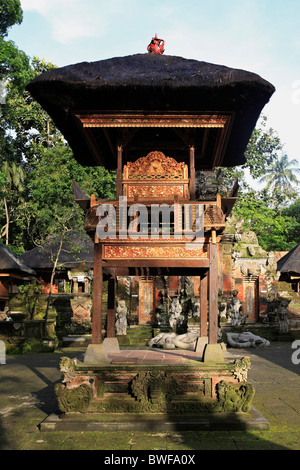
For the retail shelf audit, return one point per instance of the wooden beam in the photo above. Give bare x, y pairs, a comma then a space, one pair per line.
192, 174
97, 295
158, 263
203, 305
94, 147
110, 144
111, 305
119, 171
213, 293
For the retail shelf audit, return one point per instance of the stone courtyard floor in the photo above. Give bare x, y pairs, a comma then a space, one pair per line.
27, 398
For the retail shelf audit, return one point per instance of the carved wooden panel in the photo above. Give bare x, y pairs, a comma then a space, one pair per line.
153, 252
146, 300
155, 191
154, 177
250, 304
154, 120
155, 166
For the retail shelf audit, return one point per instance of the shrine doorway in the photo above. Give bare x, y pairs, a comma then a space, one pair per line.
147, 299
251, 298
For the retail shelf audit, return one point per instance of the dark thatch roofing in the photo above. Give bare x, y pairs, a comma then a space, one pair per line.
10, 263
151, 83
290, 263
73, 253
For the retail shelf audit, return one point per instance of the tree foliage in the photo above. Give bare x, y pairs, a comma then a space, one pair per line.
275, 231
10, 13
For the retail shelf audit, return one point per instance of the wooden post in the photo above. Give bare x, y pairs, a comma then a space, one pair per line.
213, 293
192, 174
111, 304
203, 306
119, 172
97, 295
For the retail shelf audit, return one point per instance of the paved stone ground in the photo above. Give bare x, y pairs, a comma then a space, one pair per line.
27, 398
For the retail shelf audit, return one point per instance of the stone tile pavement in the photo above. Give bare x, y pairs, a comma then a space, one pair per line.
27, 398
153, 356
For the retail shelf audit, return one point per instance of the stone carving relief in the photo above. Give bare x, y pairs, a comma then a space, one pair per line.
121, 318
235, 310
246, 340
173, 341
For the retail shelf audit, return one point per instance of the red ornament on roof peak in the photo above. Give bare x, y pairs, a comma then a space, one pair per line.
156, 46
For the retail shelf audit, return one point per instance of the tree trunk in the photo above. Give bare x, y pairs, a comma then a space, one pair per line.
52, 281
7, 222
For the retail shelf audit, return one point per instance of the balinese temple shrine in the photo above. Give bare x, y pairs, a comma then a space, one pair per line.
156, 120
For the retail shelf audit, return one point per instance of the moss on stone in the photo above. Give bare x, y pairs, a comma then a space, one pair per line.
77, 399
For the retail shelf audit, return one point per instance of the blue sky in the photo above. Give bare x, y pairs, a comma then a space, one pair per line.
261, 36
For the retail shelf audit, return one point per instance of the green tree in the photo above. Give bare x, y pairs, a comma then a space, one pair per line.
53, 219
262, 151
275, 231
25, 128
10, 13
14, 178
293, 211
14, 64
281, 178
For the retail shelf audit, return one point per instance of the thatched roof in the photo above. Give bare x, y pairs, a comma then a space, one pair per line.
11, 264
151, 83
290, 263
74, 252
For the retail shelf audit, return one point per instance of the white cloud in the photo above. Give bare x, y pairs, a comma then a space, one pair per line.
74, 19
41, 6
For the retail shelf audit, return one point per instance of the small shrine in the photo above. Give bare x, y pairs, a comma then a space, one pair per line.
156, 120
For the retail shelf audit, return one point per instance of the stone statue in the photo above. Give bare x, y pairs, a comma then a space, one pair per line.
235, 308
283, 315
121, 318
223, 310
173, 341
271, 261
196, 309
246, 340
272, 308
189, 286
176, 318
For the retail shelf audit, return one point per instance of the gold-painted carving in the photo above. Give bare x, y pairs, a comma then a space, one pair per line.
155, 166
156, 176
139, 120
155, 191
152, 252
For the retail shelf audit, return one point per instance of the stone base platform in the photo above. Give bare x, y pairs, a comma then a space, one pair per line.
119, 388
112, 422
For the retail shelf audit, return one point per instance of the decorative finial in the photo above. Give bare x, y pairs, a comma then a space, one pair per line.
156, 46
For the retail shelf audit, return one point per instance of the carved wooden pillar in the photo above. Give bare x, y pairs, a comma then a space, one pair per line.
111, 305
119, 171
97, 295
192, 174
213, 293
203, 305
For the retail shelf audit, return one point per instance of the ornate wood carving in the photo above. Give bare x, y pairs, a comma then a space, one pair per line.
152, 252
155, 191
154, 120
155, 166
146, 299
213, 216
156, 176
